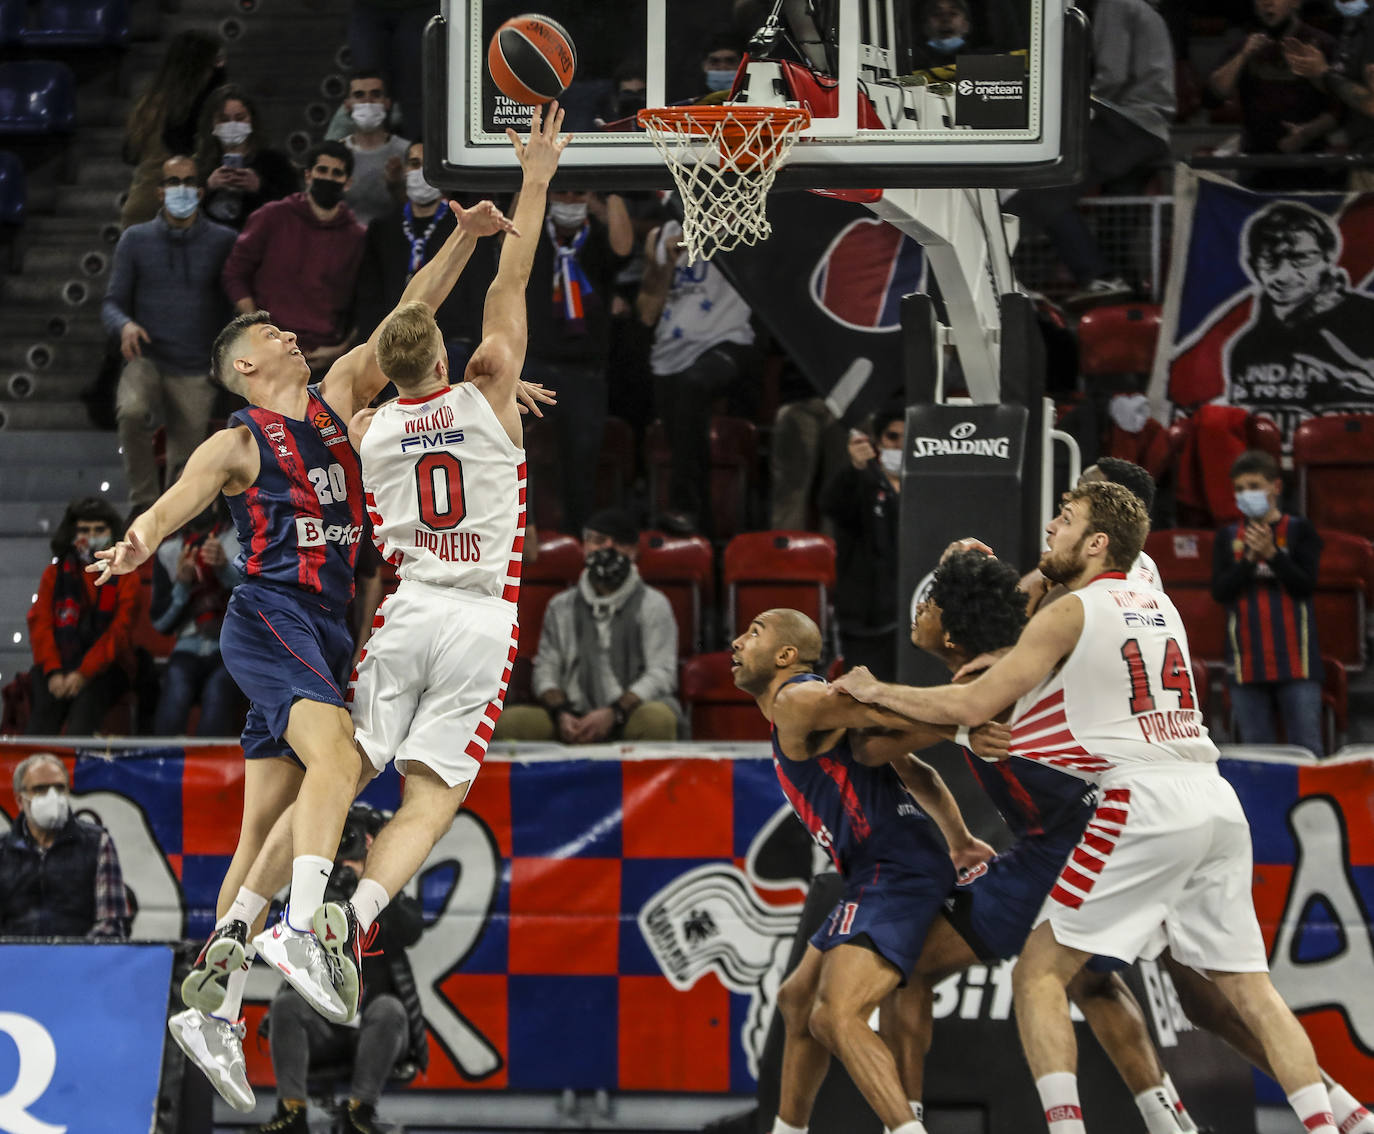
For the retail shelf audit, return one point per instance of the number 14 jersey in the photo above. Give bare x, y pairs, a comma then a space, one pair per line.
1124, 696
445, 490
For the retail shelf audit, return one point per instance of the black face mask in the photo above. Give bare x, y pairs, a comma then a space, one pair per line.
608, 568
326, 193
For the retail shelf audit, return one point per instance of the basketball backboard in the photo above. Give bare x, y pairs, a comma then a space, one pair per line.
1011, 113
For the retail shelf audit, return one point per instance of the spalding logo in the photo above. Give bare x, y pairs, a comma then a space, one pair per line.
962, 430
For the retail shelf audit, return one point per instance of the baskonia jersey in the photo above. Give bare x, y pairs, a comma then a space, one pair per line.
446, 492
853, 811
1034, 798
1124, 696
301, 521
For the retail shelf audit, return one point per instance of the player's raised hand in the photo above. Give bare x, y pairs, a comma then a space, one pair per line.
529, 395
859, 683
968, 544
539, 156
483, 219
125, 556
991, 742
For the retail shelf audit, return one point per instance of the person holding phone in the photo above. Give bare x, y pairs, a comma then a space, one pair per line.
241, 173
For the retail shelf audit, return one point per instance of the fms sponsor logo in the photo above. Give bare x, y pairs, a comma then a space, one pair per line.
961, 442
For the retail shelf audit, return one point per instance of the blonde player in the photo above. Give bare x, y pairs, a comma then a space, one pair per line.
1102, 687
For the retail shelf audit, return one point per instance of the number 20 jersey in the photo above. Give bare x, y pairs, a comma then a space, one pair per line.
1124, 696
445, 490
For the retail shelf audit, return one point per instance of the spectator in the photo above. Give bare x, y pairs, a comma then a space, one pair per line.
719, 63
165, 303
298, 258
163, 120
241, 172
863, 502
1264, 569
572, 284
193, 574
378, 175
1281, 111
404, 240
703, 347
1348, 77
81, 635
385, 34
59, 875
629, 97
943, 34
809, 447
389, 1028
607, 662
1128, 134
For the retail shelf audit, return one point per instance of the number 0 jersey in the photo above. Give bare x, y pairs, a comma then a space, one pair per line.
445, 491
1124, 696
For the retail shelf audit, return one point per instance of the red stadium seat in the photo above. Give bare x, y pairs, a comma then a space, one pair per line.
1334, 457
1335, 703
1345, 580
734, 454
718, 709
1260, 433
1184, 558
1119, 339
555, 569
682, 569
763, 570
1202, 686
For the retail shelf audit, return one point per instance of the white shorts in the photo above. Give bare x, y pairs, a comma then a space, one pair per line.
1167, 847
430, 685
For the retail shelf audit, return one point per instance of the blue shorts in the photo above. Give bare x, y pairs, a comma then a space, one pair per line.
891, 905
996, 911
279, 649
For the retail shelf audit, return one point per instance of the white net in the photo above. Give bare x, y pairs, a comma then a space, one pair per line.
723, 160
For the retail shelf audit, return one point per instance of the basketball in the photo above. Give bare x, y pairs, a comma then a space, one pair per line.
531, 59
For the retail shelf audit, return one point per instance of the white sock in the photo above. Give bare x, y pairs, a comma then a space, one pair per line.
247, 905
1312, 1105
1185, 1120
232, 1007
915, 1126
779, 1126
369, 900
309, 876
1157, 1110
918, 1112
1059, 1096
1352, 1117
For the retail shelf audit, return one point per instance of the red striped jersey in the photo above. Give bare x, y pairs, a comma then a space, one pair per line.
853, 811
1124, 696
446, 492
301, 523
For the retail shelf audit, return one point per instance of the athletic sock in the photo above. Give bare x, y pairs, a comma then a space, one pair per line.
1352, 1116
918, 1112
913, 1127
369, 900
781, 1127
309, 876
232, 1007
1185, 1120
1157, 1110
1059, 1096
1312, 1105
246, 907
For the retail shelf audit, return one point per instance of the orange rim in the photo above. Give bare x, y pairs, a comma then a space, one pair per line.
732, 124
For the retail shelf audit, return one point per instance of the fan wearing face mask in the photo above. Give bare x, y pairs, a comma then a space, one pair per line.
379, 156
59, 874
862, 502
82, 638
1264, 569
241, 171
944, 31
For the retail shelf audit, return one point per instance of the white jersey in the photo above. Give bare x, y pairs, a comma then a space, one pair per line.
1123, 697
445, 491
702, 310
1144, 572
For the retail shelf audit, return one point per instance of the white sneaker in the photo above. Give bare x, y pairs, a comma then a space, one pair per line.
306, 967
216, 1047
336, 929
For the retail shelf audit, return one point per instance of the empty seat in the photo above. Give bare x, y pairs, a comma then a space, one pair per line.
681, 568
1205, 476
1335, 703
79, 23
718, 709
1119, 339
734, 454
36, 98
1184, 558
614, 470
1345, 579
763, 570
1334, 457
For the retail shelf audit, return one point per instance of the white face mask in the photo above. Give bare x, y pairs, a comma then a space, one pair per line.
891, 460
1253, 503
420, 191
1129, 411
369, 115
1350, 9
568, 214
233, 133
51, 809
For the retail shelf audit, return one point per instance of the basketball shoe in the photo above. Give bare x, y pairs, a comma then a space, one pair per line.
216, 1047
204, 986
309, 969
336, 928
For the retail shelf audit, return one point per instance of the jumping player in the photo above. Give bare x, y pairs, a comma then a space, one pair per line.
295, 490
896, 870
1102, 688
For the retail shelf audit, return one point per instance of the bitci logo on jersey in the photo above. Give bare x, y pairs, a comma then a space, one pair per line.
310, 532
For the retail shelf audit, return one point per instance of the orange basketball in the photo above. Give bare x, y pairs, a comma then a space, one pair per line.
531, 59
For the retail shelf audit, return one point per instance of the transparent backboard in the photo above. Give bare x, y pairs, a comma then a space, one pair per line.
902, 93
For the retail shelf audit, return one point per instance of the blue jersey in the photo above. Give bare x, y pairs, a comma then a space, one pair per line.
856, 813
301, 522
1034, 799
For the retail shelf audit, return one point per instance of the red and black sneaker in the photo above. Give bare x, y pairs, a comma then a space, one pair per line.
205, 985
336, 929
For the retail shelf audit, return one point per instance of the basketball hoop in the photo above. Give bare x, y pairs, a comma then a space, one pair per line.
723, 159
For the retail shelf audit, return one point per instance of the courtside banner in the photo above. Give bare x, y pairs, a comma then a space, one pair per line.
85, 1025
1268, 303
622, 919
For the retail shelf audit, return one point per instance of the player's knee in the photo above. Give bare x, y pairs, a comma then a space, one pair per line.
1088, 985
653, 720
523, 722
794, 1002
826, 1023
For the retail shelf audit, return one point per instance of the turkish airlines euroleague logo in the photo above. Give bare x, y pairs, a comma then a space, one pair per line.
861, 278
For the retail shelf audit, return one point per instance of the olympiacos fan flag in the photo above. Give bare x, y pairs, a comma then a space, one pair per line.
1268, 305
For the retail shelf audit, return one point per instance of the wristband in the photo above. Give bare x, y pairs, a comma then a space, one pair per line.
962, 739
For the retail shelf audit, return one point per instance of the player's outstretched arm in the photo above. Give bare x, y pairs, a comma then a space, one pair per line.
1044, 643
929, 790
217, 463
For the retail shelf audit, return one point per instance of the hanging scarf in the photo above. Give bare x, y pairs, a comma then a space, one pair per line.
76, 624
418, 241
570, 282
